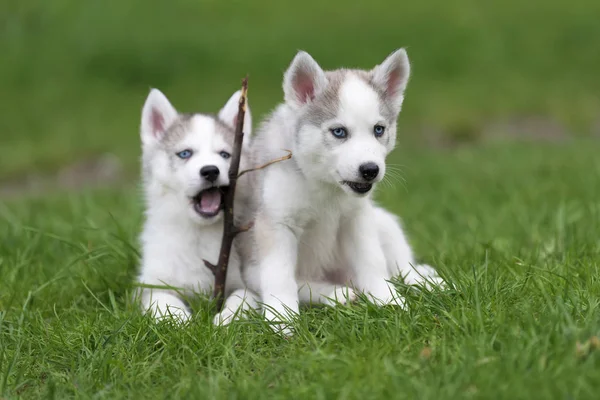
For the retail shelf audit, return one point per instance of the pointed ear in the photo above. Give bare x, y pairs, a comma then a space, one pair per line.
303, 80
229, 113
157, 115
391, 76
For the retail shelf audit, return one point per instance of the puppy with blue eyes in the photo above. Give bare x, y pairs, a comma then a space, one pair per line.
318, 235
185, 167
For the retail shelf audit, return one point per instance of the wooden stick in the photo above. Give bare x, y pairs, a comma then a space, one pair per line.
286, 157
229, 229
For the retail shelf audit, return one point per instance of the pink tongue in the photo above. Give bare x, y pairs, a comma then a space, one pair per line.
210, 201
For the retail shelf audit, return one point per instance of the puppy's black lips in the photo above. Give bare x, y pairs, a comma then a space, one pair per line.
197, 198
359, 187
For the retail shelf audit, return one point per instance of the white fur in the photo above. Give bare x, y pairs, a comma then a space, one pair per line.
309, 225
392, 76
175, 238
156, 105
228, 114
304, 82
359, 112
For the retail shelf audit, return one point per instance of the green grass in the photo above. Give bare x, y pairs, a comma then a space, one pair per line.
514, 228
74, 73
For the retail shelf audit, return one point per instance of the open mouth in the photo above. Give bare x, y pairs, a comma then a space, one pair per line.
359, 187
209, 202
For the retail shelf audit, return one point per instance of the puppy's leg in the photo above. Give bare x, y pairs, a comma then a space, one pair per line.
325, 293
363, 252
399, 255
164, 304
277, 252
423, 275
236, 304
238, 298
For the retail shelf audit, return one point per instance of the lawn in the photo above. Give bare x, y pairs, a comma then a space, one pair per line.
514, 228
499, 189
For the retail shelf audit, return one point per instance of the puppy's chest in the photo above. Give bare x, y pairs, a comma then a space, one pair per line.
187, 255
207, 246
318, 247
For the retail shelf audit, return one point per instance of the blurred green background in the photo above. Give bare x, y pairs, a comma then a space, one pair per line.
74, 73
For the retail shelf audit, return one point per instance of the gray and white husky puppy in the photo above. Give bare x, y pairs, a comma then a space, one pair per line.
186, 161
318, 236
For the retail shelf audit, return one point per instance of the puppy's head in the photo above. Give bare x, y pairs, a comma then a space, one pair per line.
346, 119
188, 155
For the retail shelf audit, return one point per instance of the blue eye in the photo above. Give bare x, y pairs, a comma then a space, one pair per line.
339, 133
185, 154
378, 130
225, 154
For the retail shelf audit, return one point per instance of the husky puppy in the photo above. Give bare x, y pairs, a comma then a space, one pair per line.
185, 162
318, 236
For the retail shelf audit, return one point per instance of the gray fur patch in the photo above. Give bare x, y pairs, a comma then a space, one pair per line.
177, 130
325, 106
182, 127
385, 108
223, 129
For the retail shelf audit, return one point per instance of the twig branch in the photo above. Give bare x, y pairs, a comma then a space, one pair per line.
244, 228
212, 267
286, 157
229, 229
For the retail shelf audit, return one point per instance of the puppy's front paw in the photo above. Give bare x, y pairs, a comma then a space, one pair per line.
387, 298
341, 295
425, 276
173, 314
280, 322
225, 317
283, 329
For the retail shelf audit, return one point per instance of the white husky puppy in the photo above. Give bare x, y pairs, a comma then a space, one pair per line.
185, 162
318, 235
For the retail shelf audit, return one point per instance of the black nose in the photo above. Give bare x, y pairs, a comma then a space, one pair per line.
369, 170
210, 172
